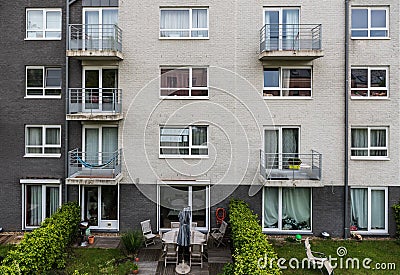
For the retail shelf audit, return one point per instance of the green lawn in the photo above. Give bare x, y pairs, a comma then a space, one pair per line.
381, 253
97, 261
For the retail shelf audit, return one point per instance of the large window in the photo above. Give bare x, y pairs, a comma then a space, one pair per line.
184, 82
43, 23
369, 22
287, 209
43, 140
369, 209
369, 142
43, 81
99, 29
100, 143
40, 202
185, 22
287, 82
369, 82
183, 141
173, 198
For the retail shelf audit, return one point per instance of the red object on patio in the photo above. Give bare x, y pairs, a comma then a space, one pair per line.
220, 214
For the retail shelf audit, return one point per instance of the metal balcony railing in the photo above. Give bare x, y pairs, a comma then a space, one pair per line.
94, 165
281, 37
94, 100
95, 37
288, 166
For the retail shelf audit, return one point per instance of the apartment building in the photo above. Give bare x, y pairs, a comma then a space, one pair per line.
171, 105
33, 111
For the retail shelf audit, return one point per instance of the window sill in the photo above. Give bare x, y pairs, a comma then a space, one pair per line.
42, 39
370, 38
370, 98
185, 97
284, 232
43, 97
182, 157
42, 156
370, 158
372, 232
288, 97
184, 38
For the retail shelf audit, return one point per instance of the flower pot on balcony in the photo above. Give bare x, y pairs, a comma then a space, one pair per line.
294, 163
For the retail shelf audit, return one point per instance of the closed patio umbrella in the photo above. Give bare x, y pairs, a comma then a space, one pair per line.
184, 227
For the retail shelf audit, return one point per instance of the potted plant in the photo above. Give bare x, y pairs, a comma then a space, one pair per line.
135, 268
294, 163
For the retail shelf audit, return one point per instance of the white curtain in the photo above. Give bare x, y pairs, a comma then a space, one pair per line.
54, 197
199, 135
296, 204
110, 17
378, 139
271, 207
53, 136
285, 81
199, 20
175, 20
92, 29
92, 145
109, 142
359, 139
290, 29
34, 206
35, 138
271, 149
359, 207
377, 209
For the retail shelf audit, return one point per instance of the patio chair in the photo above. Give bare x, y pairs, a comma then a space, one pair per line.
217, 234
321, 261
196, 254
175, 225
170, 253
149, 237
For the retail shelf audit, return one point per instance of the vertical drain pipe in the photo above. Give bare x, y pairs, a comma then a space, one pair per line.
66, 99
346, 122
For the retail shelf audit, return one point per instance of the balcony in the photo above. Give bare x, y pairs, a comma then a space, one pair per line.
94, 168
290, 42
94, 104
95, 42
281, 166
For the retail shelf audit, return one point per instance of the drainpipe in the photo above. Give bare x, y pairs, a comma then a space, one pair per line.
68, 3
346, 122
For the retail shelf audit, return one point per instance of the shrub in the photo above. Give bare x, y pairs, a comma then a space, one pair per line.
45, 247
251, 246
132, 241
396, 211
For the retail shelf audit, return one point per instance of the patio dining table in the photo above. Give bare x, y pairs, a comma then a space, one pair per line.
196, 237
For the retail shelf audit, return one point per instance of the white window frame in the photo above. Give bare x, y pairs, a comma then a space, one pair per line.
190, 185
44, 30
369, 148
369, 88
280, 200
190, 88
369, 230
43, 146
281, 89
190, 147
369, 28
44, 87
102, 224
190, 29
44, 183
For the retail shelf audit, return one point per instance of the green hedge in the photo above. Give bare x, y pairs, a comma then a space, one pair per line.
45, 247
396, 211
249, 243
